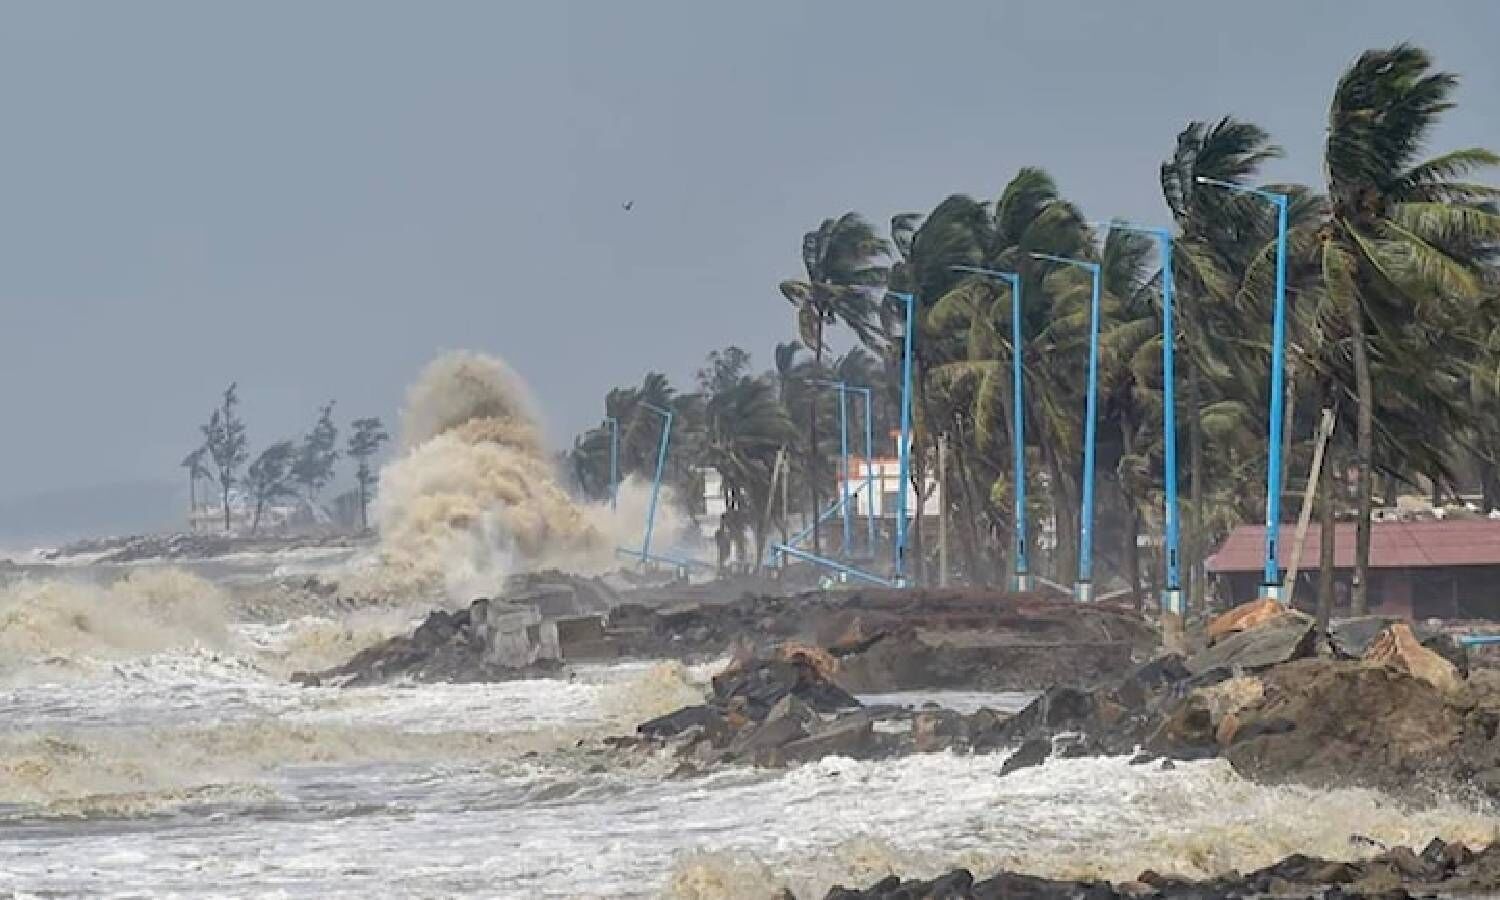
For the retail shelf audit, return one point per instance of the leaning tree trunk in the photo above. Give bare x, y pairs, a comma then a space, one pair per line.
1196, 519
1130, 534
1364, 442
1326, 535
968, 517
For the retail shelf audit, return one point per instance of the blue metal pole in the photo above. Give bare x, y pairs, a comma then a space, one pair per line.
614, 461
1083, 588
1084, 591
1272, 585
1172, 600
661, 466
844, 461
869, 469
1018, 436
904, 451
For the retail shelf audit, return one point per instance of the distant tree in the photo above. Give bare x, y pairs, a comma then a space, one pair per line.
224, 438
313, 467
366, 439
270, 478
194, 464
723, 370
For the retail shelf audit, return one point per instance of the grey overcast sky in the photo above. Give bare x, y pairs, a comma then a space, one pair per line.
315, 198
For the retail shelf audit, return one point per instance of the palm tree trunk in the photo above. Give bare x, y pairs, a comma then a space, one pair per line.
974, 557
1197, 539
812, 446
1325, 543
1364, 441
1130, 534
226, 508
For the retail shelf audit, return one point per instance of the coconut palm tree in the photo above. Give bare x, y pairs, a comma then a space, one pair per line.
745, 427
843, 259
1402, 248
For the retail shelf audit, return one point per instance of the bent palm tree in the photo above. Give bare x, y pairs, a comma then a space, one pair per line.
842, 258
1402, 247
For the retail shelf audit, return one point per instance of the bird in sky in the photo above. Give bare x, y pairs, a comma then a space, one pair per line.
627, 206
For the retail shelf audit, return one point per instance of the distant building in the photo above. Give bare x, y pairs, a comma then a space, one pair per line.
884, 474
1418, 569
285, 515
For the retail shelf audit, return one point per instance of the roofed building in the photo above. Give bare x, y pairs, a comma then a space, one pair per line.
1418, 569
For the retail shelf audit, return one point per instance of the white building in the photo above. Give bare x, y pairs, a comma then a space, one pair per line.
884, 475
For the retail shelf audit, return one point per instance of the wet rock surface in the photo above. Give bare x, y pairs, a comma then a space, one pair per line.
785, 707
1439, 869
1281, 707
905, 640
883, 640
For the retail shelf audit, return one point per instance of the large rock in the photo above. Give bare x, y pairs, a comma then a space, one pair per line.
1244, 617
1273, 642
853, 738
1351, 638
1399, 649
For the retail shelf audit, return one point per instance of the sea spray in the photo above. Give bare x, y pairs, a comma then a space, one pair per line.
60, 621
474, 496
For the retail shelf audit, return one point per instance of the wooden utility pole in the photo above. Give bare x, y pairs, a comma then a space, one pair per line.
1325, 431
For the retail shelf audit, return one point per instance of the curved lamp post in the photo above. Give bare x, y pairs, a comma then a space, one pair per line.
1271, 586
1172, 598
1083, 588
1018, 418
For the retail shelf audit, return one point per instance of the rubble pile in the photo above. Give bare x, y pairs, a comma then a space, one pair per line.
1370, 705
1439, 869
786, 707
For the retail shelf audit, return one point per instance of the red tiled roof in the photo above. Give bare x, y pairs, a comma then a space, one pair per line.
1423, 544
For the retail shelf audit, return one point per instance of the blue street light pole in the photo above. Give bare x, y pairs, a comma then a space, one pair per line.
614, 461
1271, 587
1018, 419
1172, 598
1083, 589
843, 456
661, 467
903, 453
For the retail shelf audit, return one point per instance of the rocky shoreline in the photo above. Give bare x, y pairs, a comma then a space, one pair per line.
1439, 869
889, 640
1369, 706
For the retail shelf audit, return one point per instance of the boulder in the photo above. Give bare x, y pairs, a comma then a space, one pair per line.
1244, 617
1273, 642
1399, 649
852, 738
1351, 638
1450, 648
685, 719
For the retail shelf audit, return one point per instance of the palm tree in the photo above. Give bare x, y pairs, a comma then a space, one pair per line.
842, 260
197, 469
745, 427
1402, 246
1215, 235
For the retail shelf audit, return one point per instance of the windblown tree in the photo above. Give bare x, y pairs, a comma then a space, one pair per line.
317, 454
745, 427
270, 479
365, 439
197, 470
1403, 249
1217, 233
224, 438
843, 259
